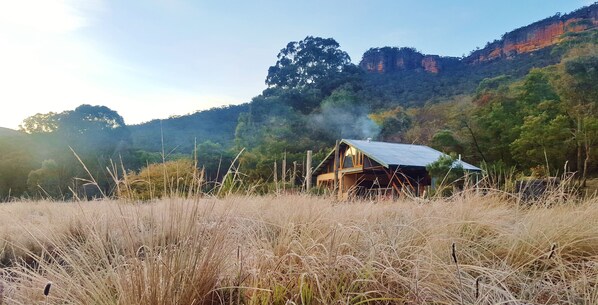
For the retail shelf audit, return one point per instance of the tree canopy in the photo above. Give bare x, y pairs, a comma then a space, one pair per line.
307, 62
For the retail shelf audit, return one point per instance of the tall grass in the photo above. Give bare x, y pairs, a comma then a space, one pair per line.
300, 250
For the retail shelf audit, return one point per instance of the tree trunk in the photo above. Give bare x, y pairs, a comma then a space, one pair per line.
475, 142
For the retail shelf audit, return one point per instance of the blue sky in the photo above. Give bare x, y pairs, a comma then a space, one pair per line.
156, 58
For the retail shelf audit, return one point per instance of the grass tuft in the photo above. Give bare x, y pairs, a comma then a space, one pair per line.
299, 249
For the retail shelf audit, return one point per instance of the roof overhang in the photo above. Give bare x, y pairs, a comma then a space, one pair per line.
356, 144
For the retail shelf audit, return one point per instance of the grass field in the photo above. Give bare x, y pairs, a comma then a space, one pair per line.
299, 250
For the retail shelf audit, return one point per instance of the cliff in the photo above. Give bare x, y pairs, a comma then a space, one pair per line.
387, 59
536, 36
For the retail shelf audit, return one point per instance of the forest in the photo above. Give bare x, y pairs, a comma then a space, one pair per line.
533, 114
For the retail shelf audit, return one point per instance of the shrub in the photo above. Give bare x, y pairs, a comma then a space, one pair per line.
178, 177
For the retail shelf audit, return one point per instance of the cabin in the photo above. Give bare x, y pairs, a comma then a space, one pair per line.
370, 169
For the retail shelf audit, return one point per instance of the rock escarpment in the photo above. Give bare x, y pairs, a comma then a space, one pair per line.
387, 59
536, 36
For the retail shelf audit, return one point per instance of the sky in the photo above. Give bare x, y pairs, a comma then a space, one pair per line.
152, 59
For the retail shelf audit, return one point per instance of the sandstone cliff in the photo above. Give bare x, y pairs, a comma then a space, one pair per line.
536, 36
387, 59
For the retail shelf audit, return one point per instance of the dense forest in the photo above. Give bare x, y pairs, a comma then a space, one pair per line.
534, 112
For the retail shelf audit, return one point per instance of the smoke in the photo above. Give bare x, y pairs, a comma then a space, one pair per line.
345, 122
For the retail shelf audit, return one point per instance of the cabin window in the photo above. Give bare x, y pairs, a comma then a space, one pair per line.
352, 158
348, 162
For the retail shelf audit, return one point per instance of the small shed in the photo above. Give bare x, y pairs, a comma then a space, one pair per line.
358, 168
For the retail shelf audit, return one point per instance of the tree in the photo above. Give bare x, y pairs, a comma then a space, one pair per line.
88, 118
393, 123
16, 161
577, 86
445, 141
446, 171
543, 126
307, 62
47, 181
503, 111
81, 120
41, 123
96, 133
213, 158
544, 140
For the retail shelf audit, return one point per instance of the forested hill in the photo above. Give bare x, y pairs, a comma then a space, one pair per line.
180, 133
525, 40
402, 76
9, 132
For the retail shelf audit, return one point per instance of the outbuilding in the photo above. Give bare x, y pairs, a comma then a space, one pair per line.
364, 168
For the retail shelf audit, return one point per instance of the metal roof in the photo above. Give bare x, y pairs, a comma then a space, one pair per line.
395, 154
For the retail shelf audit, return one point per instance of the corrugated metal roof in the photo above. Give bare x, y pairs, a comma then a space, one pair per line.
396, 154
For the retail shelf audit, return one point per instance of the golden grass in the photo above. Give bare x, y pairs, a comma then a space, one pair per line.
299, 250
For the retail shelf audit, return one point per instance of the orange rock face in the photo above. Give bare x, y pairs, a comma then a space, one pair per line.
430, 64
538, 35
388, 60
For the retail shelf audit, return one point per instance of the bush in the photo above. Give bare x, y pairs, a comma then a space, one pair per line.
178, 177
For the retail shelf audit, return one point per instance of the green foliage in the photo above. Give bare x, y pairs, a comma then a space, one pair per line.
214, 159
308, 62
542, 140
393, 123
414, 88
16, 161
40, 123
446, 170
494, 83
500, 112
445, 141
179, 134
539, 121
47, 181
96, 134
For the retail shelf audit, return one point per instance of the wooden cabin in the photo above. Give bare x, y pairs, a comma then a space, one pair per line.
372, 169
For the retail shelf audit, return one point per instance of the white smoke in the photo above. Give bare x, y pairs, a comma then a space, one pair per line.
345, 122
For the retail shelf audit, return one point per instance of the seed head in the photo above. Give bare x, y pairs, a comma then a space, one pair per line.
47, 288
454, 253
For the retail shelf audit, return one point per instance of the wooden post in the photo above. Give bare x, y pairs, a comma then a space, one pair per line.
308, 171
284, 172
294, 173
336, 165
275, 176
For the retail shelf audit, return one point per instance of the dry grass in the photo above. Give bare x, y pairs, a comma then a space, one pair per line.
299, 250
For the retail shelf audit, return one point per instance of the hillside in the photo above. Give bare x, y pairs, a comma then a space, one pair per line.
538, 35
404, 77
525, 40
4, 132
216, 125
